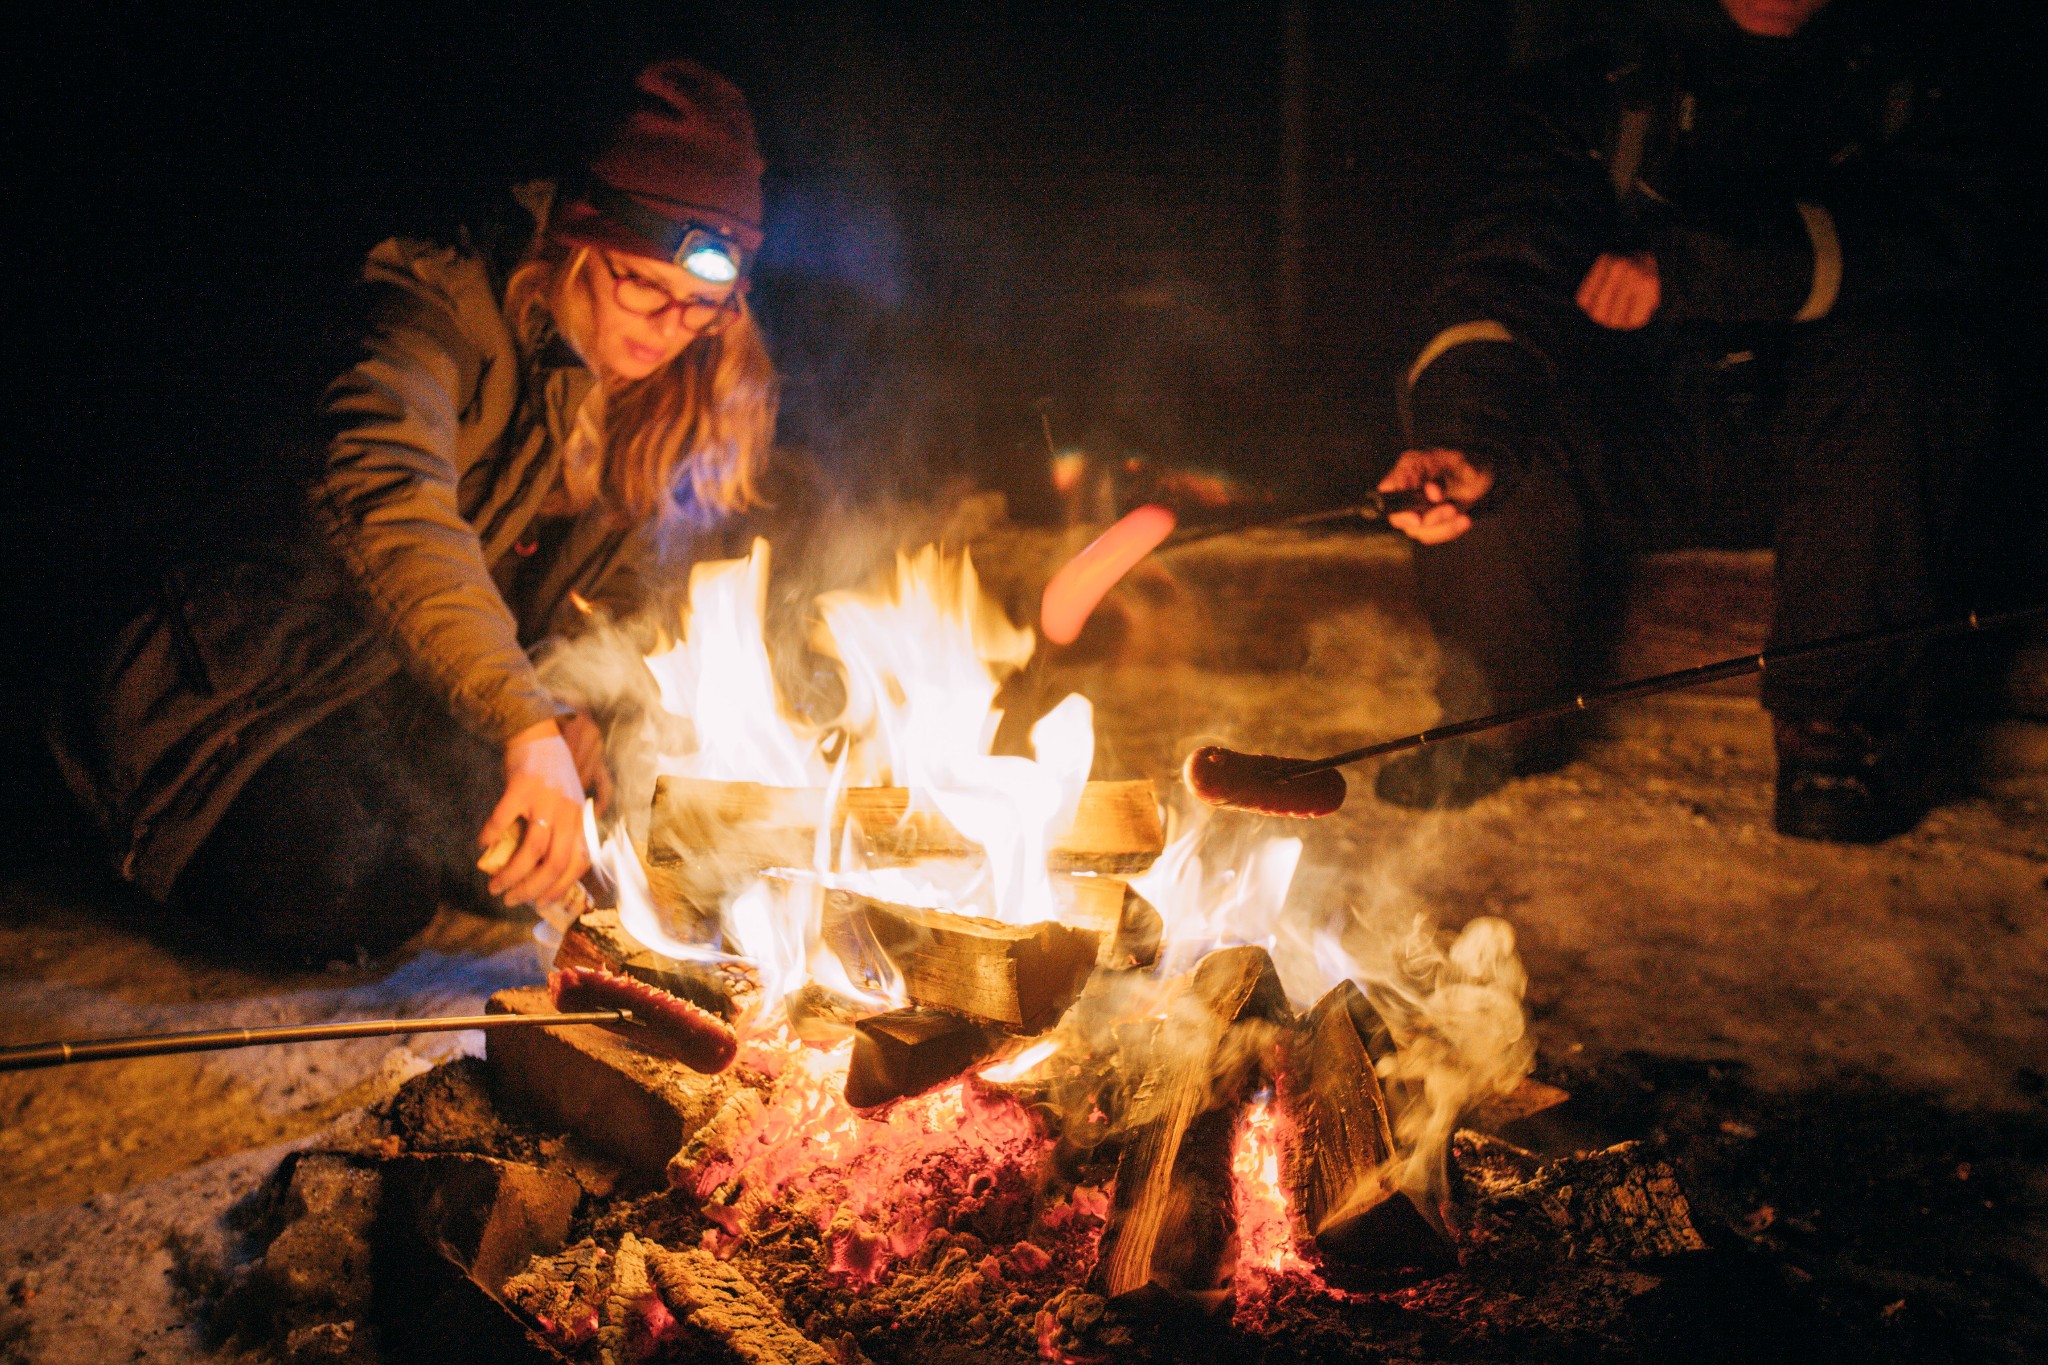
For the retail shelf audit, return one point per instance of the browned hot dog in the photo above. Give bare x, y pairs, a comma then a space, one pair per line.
667, 1024
1224, 777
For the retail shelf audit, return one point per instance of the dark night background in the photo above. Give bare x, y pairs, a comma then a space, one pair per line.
974, 209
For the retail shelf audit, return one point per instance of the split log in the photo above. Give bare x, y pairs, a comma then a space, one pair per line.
1019, 977
907, 1052
1342, 1143
631, 1104
1129, 926
1172, 1223
723, 829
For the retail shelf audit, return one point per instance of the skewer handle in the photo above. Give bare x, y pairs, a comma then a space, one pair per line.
31, 1056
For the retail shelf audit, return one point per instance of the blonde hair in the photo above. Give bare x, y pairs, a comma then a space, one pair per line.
708, 414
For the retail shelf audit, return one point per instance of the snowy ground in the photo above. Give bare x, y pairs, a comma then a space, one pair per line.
1846, 1050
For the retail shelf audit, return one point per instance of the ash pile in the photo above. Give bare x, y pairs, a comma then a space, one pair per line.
1087, 1181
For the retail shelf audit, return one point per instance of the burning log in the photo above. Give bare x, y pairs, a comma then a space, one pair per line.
704, 834
1172, 1223
636, 1106
1331, 1095
1019, 977
1129, 926
907, 1052
598, 939
714, 1302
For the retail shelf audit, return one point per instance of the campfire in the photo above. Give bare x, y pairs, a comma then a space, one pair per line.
983, 1054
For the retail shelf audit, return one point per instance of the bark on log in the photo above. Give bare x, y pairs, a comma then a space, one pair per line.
1172, 1223
598, 939
907, 1052
704, 831
1017, 977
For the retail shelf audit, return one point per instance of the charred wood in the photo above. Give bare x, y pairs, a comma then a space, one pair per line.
634, 1105
907, 1052
598, 939
723, 1313
1617, 1205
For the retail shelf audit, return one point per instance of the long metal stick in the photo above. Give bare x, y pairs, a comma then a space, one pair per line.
1376, 508
1736, 667
29, 1056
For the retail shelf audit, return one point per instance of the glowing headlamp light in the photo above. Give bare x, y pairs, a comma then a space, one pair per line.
709, 256
707, 252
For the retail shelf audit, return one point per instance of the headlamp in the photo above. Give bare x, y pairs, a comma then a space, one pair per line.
709, 256
709, 253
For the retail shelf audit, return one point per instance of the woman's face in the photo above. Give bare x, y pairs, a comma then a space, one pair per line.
645, 311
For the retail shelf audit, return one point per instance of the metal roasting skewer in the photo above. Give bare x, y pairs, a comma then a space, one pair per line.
1377, 507
1736, 667
30, 1056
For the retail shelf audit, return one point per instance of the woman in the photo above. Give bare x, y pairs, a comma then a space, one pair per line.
306, 753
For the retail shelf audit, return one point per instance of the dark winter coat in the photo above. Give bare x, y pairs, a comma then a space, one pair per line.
442, 441
1777, 182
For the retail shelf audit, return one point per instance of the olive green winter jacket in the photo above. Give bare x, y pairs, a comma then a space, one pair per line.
442, 440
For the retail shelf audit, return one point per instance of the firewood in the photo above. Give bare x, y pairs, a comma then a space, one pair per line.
704, 831
1342, 1142
598, 939
907, 1052
1020, 977
1129, 926
1172, 1223
714, 1302
1618, 1205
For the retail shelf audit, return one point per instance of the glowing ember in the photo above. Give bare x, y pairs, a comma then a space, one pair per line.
875, 1186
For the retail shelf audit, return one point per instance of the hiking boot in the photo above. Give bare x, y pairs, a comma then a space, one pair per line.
1447, 776
1837, 783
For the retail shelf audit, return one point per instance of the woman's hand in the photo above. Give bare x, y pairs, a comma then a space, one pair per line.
1447, 479
1621, 292
586, 746
543, 788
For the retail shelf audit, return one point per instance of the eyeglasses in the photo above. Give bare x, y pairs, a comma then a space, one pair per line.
645, 298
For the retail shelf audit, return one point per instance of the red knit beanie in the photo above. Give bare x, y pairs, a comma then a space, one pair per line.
684, 156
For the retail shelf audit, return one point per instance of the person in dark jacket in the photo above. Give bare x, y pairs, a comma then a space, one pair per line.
1697, 308
304, 750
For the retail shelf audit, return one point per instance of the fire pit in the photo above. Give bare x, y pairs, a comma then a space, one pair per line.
1026, 1068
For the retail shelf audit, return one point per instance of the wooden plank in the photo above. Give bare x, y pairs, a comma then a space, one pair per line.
1019, 977
704, 832
907, 1052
